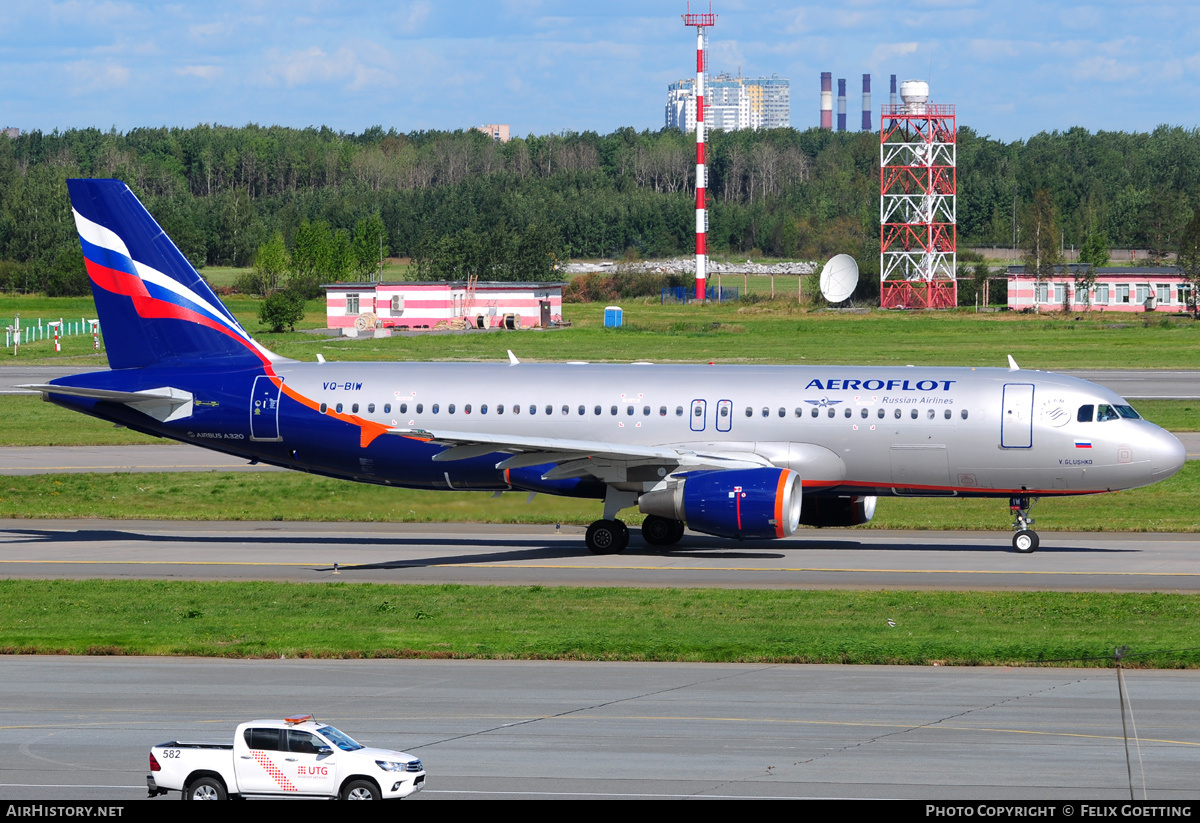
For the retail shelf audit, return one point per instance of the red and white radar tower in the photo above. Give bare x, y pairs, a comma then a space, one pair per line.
701, 22
918, 185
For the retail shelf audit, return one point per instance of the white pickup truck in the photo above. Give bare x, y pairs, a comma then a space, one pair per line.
295, 757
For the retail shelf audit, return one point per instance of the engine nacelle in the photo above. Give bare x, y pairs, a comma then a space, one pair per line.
741, 503
824, 512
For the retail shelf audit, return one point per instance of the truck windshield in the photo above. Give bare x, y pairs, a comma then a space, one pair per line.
339, 739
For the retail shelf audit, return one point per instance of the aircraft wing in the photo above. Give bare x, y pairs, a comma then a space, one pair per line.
162, 404
607, 462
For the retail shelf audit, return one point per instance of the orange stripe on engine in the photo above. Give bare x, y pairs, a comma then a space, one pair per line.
779, 490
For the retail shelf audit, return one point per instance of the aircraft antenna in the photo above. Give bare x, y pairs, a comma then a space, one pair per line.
701, 22
918, 185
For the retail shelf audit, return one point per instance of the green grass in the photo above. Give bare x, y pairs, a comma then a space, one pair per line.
339, 620
778, 331
1168, 506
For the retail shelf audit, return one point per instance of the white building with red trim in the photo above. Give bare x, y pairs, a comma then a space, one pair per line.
1125, 289
408, 305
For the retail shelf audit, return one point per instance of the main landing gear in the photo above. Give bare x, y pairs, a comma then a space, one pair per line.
661, 531
612, 536
1025, 541
607, 537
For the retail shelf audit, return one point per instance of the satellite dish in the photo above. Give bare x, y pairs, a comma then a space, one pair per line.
839, 278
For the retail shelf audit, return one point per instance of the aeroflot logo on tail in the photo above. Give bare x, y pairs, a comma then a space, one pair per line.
876, 385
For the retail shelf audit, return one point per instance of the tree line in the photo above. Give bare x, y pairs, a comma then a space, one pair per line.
461, 204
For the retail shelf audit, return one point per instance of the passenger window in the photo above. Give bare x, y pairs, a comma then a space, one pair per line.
387, 408
566, 410
679, 411
629, 411
371, 408
499, 408
897, 414
782, 411
645, 411
582, 411
597, 411
420, 408
516, 409
930, 414
354, 409
662, 411
830, 413
947, 414
482, 408
404, 408
749, 412
863, 414
963, 414
434, 408
449, 408
724, 411
766, 412
1085, 413
612, 410
467, 409
880, 414
815, 411
262, 739
913, 414
339, 408
324, 408
549, 410
847, 412
532, 409
799, 412
697, 412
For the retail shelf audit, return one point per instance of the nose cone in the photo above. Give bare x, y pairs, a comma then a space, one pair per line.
1167, 455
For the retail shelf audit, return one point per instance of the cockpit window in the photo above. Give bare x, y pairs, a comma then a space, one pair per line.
1105, 413
1128, 413
1085, 413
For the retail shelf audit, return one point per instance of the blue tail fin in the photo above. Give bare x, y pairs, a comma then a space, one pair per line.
153, 306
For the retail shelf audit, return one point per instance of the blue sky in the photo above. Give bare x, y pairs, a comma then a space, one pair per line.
1012, 69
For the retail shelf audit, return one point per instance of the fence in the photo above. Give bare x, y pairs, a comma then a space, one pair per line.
18, 334
686, 294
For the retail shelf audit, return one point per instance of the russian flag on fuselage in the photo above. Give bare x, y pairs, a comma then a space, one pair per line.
153, 305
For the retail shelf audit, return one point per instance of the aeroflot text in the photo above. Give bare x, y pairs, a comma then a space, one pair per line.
878, 385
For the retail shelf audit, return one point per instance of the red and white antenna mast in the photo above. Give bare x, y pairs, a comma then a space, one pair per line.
701, 22
918, 189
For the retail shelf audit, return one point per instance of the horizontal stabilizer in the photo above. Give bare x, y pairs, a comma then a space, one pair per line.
162, 404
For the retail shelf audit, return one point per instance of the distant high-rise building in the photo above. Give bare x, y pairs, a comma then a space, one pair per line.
497, 131
732, 103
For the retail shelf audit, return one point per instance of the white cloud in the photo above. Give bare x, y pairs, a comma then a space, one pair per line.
89, 76
885, 52
354, 68
203, 72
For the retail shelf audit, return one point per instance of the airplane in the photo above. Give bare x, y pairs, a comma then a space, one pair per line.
742, 452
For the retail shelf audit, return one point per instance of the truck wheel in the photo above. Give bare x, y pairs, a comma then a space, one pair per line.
206, 788
360, 790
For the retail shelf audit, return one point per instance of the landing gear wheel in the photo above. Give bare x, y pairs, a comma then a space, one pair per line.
607, 537
1025, 541
360, 790
661, 531
206, 788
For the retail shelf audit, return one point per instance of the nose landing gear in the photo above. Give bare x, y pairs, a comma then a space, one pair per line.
1025, 541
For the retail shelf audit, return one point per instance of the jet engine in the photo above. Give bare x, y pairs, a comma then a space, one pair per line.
741, 503
824, 512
